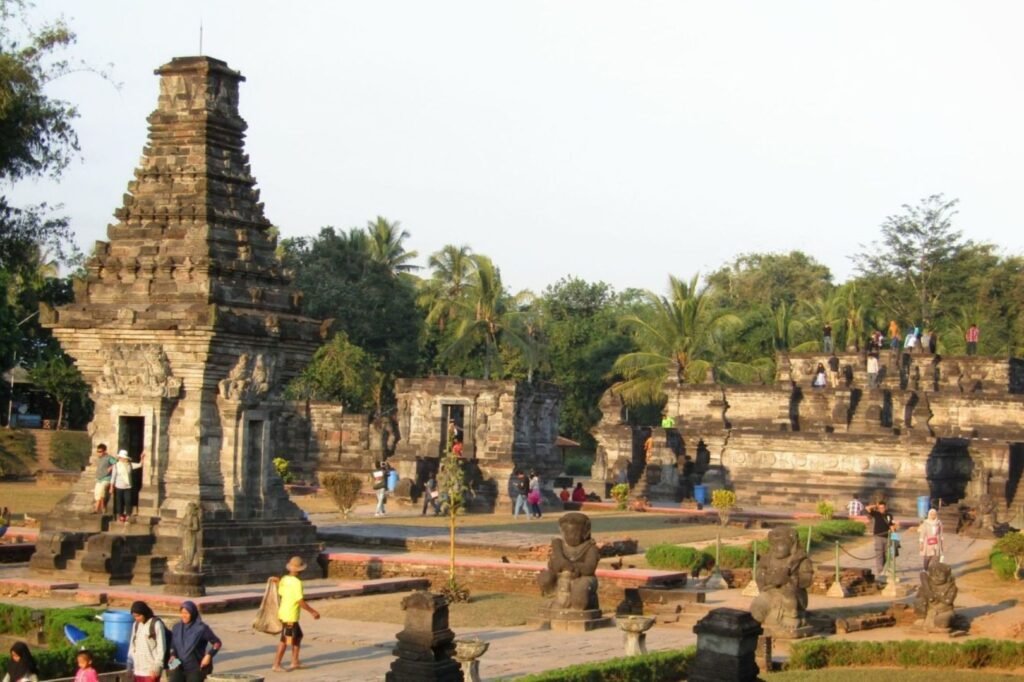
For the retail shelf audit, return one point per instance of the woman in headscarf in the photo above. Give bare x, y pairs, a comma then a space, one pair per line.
22, 667
193, 646
147, 646
929, 539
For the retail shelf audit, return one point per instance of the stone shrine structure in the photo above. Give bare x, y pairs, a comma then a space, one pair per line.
930, 429
187, 328
502, 425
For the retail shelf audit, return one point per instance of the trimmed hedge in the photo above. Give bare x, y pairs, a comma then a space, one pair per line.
676, 557
660, 666
59, 659
977, 653
70, 450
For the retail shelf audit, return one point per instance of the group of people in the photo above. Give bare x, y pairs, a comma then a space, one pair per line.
526, 491
578, 494
118, 478
930, 540
185, 651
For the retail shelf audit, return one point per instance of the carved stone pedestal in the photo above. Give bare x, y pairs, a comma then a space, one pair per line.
426, 645
468, 652
726, 647
634, 632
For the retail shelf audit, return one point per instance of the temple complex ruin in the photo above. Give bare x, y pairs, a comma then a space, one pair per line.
187, 328
947, 427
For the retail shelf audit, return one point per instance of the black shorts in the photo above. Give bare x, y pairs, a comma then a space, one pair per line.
291, 633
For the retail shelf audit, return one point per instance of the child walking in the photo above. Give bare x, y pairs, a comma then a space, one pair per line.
289, 589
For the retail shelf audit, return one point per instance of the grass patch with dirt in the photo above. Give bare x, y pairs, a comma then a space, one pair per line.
31, 498
879, 674
17, 452
486, 609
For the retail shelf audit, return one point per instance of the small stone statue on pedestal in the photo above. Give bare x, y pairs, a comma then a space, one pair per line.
569, 578
985, 520
783, 577
935, 599
187, 577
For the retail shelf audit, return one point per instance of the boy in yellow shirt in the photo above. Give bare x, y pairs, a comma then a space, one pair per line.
289, 589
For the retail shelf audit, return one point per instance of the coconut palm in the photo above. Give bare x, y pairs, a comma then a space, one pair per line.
450, 272
679, 332
484, 317
385, 245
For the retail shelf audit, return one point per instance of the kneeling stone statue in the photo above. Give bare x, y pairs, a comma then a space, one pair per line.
783, 577
569, 578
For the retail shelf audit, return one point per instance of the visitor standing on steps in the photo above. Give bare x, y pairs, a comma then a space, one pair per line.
819, 380
881, 525
293, 601
121, 485
826, 338
104, 470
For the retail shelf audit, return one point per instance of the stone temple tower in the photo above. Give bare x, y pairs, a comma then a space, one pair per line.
187, 328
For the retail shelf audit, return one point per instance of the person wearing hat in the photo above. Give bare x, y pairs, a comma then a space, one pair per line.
289, 590
121, 485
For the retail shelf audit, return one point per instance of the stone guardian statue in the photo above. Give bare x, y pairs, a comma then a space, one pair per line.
783, 576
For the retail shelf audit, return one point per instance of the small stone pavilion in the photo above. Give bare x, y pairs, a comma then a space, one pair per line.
503, 425
187, 328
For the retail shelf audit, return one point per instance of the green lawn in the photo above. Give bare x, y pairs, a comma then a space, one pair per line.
31, 498
884, 674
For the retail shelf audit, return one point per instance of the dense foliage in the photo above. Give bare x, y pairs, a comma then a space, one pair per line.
59, 659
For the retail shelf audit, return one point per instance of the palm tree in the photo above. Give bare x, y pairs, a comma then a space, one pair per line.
679, 332
787, 330
386, 245
439, 295
484, 318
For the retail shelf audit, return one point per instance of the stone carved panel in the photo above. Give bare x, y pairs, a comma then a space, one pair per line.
250, 379
137, 370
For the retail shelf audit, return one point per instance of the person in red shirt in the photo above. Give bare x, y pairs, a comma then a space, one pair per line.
579, 494
564, 495
972, 336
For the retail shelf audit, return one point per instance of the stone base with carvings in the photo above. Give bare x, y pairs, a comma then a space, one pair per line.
186, 584
570, 620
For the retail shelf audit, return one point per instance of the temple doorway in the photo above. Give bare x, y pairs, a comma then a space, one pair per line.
131, 436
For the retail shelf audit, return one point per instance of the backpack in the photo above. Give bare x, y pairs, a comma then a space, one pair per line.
167, 639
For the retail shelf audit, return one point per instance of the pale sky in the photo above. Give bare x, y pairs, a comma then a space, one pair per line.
615, 141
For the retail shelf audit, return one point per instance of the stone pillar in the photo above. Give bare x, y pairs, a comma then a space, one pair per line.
426, 645
726, 647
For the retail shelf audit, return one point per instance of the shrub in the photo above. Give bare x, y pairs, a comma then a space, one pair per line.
674, 557
578, 464
840, 528
17, 450
59, 660
284, 469
978, 653
826, 509
731, 556
1012, 545
344, 489
70, 450
620, 493
661, 666
1003, 566
723, 501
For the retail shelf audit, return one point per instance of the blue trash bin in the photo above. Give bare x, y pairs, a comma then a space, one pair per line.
117, 627
700, 494
392, 480
924, 503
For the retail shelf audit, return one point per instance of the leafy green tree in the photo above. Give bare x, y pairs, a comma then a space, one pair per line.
911, 267
680, 333
340, 371
386, 245
62, 380
376, 310
583, 338
769, 279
